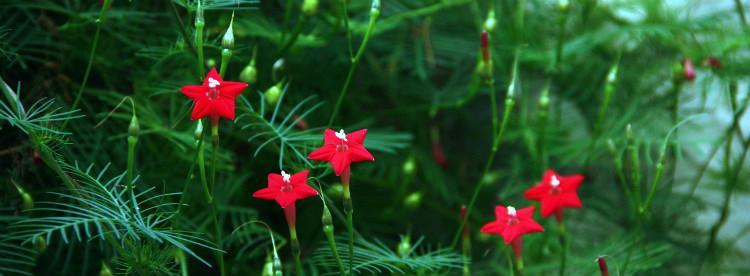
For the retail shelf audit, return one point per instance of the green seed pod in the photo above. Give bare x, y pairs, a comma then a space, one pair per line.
249, 74
211, 63
272, 94
310, 7
227, 41
413, 200
409, 166
404, 247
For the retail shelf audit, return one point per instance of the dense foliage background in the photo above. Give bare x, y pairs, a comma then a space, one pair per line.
581, 86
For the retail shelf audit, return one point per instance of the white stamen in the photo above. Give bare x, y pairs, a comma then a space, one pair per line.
286, 177
511, 211
341, 135
554, 182
213, 83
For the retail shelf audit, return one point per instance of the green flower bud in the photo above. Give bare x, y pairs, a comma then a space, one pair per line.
227, 41
310, 7
611, 146
198, 133
409, 166
272, 94
490, 24
28, 202
404, 247
375, 8
268, 267
278, 68
211, 63
40, 244
249, 74
629, 133
562, 5
336, 191
105, 271
413, 200
327, 219
134, 127
489, 178
199, 21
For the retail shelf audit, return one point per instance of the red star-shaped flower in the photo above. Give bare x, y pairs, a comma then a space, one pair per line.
215, 97
286, 189
512, 224
556, 192
342, 149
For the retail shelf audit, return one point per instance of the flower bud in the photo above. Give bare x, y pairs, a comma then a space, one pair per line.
278, 67
688, 69
413, 200
375, 8
26, 199
134, 127
40, 244
602, 266
562, 5
629, 133
611, 146
105, 270
249, 74
199, 21
272, 94
712, 62
409, 166
485, 43
210, 63
336, 191
198, 133
268, 267
404, 247
490, 23
310, 7
326, 219
227, 41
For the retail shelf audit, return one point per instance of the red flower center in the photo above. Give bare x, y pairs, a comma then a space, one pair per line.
287, 188
512, 220
555, 190
213, 93
342, 147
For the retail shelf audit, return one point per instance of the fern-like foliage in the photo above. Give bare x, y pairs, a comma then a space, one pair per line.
376, 258
100, 208
279, 131
37, 118
15, 259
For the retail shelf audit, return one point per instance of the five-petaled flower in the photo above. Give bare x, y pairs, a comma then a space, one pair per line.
214, 98
556, 192
511, 224
286, 189
342, 149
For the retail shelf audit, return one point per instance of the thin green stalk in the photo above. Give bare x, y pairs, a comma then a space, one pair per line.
561, 22
328, 230
199, 25
493, 100
609, 90
183, 262
741, 11
497, 141
294, 241
226, 55
543, 118
345, 14
217, 226
133, 130
202, 172
355, 61
349, 210
295, 34
287, 16
198, 134
99, 22
564, 245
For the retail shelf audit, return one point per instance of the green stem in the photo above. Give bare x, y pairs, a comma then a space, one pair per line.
202, 172
199, 25
345, 14
226, 56
186, 185
562, 19
349, 210
99, 22
328, 230
564, 245
295, 34
295, 250
493, 100
132, 141
354, 62
741, 11
217, 226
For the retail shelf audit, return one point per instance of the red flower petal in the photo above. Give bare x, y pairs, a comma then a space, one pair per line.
356, 137
359, 153
200, 110
329, 137
266, 193
194, 92
340, 161
323, 153
214, 75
